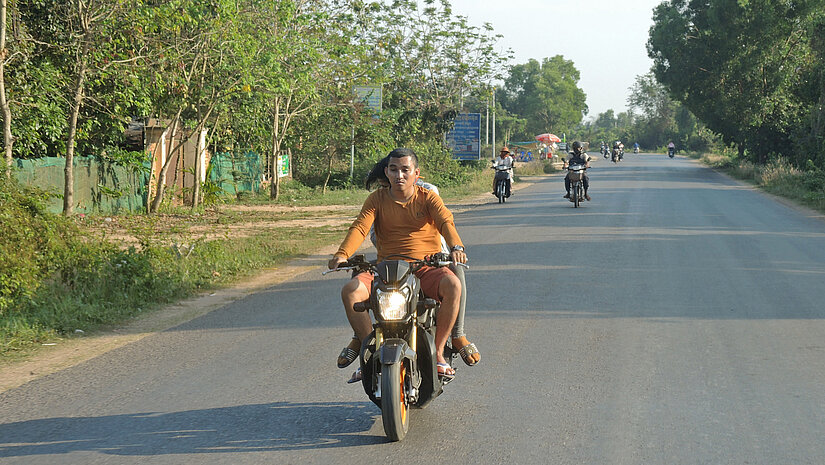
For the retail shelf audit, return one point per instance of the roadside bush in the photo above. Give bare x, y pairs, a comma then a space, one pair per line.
32, 242
806, 185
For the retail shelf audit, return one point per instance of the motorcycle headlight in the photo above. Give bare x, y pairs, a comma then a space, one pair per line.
392, 305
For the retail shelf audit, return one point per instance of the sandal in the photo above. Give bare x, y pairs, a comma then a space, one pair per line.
356, 377
445, 371
349, 353
468, 351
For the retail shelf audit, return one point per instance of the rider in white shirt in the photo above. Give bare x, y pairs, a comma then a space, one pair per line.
504, 160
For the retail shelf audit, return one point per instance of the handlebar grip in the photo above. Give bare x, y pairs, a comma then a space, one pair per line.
361, 306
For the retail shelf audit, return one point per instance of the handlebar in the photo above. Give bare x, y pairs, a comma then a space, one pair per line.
360, 263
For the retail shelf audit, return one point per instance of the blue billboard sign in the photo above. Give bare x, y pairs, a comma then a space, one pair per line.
371, 97
465, 138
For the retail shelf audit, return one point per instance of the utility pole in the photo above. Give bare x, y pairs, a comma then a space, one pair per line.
494, 124
487, 124
352, 155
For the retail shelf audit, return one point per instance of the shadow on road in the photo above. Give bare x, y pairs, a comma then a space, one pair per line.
244, 428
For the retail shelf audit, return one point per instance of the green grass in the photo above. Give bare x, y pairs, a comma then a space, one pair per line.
296, 194
102, 285
777, 177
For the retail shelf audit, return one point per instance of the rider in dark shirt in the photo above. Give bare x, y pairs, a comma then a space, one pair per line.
578, 157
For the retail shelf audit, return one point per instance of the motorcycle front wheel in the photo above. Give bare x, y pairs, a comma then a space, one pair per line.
394, 406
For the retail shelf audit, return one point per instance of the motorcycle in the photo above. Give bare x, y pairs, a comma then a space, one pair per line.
616, 155
576, 175
398, 360
671, 151
636, 150
502, 175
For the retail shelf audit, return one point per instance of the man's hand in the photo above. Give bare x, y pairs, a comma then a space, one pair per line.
335, 261
458, 256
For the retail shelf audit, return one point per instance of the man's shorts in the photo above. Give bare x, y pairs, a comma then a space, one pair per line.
429, 276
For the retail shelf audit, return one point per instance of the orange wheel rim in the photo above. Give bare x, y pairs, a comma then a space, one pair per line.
403, 397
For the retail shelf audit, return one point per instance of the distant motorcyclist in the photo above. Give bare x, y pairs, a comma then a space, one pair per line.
671, 149
505, 161
618, 150
578, 157
635, 147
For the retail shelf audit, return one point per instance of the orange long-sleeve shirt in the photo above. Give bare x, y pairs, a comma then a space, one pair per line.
410, 228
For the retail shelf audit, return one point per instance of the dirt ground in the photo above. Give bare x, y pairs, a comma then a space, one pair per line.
224, 221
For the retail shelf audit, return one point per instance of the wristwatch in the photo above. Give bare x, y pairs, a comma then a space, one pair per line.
457, 248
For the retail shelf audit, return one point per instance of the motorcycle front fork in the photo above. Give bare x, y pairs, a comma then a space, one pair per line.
410, 392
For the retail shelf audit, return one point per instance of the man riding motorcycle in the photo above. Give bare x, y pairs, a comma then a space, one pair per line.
578, 157
466, 350
410, 220
504, 161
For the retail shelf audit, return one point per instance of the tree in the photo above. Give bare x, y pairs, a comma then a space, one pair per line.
199, 62
429, 61
86, 41
606, 120
4, 103
738, 65
546, 94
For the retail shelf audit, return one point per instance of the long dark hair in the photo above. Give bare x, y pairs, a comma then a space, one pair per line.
377, 173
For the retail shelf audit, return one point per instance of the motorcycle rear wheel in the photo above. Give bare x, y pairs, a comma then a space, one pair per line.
395, 411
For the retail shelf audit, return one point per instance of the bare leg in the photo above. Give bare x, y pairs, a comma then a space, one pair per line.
355, 291
449, 290
458, 328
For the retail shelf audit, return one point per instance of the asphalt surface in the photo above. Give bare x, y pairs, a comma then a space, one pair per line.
677, 318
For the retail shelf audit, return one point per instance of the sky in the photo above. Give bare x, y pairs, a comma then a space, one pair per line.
605, 39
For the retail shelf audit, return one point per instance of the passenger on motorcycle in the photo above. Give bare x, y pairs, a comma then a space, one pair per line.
505, 161
409, 220
578, 157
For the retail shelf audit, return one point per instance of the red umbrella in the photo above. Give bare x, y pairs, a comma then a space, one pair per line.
548, 138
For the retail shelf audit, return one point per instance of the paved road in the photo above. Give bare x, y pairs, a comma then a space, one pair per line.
679, 317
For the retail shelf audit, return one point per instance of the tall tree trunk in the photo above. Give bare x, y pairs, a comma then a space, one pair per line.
77, 102
178, 153
275, 179
196, 186
8, 139
818, 115
160, 189
330, 158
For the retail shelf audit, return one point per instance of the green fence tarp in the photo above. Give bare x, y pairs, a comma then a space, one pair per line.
236, 173
103, 187
99, 186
